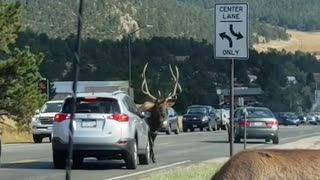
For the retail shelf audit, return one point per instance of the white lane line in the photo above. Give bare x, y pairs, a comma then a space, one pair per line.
285, 139
149, 170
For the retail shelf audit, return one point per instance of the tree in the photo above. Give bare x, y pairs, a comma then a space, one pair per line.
19, 70
10, 14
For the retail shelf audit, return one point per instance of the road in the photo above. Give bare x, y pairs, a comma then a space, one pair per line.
34, 161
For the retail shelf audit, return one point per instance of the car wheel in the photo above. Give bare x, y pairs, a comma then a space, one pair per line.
169, 130
184, 129
132, 157
237, 139
209, 127
77, 162
37, 139
275, 140
59, 159
201, 129
144, 159
224, 127
176, 131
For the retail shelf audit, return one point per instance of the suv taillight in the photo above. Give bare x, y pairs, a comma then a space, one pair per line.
61, 117
120, 117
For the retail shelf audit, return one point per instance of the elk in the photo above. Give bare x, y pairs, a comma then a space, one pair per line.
271, 164
157, 107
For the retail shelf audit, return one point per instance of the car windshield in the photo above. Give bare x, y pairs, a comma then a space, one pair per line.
93, 105
51, 107
197, 110
291, 115
259, 113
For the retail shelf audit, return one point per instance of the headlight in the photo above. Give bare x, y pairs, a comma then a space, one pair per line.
165, 122
204, 119
35, 119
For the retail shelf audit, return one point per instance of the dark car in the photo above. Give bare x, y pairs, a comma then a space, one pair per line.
199, 116
260, 124
287, 119
171, 123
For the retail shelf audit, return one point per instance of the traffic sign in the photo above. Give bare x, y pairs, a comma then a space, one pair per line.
231, 31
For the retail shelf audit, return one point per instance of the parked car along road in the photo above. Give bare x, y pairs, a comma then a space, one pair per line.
288, 118
261, 124
42, 122
200, 116
171, 123
107, 126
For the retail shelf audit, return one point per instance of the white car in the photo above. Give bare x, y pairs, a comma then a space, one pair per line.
42, 122
106, 126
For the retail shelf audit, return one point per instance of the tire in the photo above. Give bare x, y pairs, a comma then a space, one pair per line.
224, 127
237, 139
37, 139
177, 130
201, 129
215, 127
59, 159
144, 159
209, 127
168, 132
184, 129
77, 162
275, 140
132, 157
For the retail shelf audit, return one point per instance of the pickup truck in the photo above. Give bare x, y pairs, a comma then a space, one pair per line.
223, 118
42, 122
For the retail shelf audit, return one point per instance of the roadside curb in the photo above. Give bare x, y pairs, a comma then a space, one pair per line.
305, 143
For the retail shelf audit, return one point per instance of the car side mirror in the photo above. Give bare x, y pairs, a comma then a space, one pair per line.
145, 114
37, 111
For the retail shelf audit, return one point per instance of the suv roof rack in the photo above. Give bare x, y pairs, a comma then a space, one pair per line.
118, 92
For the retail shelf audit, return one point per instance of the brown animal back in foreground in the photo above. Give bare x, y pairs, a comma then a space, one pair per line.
272, 165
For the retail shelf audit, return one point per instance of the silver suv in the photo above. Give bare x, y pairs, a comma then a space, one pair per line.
42, 122
106, 126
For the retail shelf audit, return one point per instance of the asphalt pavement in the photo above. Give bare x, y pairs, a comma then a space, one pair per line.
34, 161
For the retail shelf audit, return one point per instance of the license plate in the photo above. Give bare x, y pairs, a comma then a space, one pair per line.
257, 124
194, 125
49, 128
89, 123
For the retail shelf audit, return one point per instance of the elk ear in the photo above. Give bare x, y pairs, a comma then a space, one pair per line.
146, 106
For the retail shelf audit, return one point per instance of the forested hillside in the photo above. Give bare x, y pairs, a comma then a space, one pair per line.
113, 19
200, 73
291, 14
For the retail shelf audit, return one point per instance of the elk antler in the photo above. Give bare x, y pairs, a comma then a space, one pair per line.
144, 85
177, 85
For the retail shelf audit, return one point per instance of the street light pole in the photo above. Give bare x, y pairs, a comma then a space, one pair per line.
129, 53
129, 46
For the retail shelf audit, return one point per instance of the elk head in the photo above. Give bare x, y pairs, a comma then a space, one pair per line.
157, 107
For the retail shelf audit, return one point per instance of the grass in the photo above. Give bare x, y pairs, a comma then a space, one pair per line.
299, 40
10, 133
203, 171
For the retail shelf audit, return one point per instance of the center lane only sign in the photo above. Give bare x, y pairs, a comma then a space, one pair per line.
231, 32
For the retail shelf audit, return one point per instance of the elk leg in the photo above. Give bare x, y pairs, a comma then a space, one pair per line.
151, 139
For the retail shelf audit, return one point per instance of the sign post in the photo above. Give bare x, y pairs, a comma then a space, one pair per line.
231, 42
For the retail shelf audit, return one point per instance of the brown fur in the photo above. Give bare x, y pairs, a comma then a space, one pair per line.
158, 107
272, 165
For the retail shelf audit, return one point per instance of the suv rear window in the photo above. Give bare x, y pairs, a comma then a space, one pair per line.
96, 105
